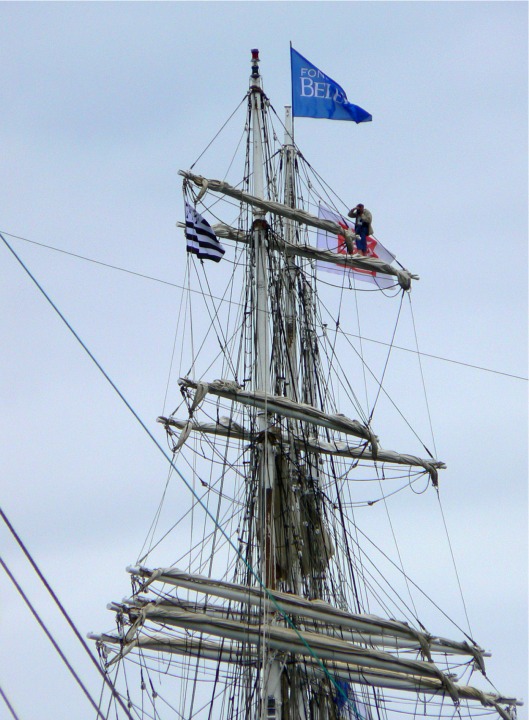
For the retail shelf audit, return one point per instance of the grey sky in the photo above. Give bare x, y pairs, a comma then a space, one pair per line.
102, 104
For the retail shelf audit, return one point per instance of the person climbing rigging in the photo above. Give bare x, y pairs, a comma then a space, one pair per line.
363, 219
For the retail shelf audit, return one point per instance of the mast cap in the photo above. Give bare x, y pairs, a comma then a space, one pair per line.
255, 63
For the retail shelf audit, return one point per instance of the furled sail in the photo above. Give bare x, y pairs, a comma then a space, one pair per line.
285, 406
231, 652
324, 654
229, 428
369, 628
403, 276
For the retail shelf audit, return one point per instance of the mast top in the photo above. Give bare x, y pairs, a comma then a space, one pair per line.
255, 64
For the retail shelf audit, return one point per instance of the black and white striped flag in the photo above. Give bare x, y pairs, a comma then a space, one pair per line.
201, 240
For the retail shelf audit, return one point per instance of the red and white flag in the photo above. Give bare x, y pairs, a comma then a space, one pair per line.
336, 243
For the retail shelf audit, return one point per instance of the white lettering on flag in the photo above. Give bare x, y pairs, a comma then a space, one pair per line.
336, 243
319, 89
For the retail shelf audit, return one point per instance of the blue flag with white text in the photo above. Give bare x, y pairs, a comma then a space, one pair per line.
316, 95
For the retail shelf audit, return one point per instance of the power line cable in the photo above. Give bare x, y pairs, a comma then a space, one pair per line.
63, 611
52, 640
181, 287
9, 706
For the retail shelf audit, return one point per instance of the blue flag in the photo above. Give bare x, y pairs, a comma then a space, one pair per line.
316, 95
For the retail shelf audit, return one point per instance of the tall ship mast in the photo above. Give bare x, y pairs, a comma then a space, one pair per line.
272, 604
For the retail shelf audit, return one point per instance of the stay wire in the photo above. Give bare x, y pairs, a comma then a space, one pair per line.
454, 562
381, 381
361, 354
332, 356
419, 589
395, 541
61, 608
183, 299
215, 324
53, 642
422, 374
255, 574
347, 335
219, 132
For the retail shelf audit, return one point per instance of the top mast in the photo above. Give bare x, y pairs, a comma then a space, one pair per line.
261, 329
271, 698
262, 380
292, 367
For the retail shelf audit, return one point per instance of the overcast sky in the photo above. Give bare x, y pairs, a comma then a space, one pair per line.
102, 104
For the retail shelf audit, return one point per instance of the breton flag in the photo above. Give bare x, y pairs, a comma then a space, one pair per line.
201, 240
316, 95
336, 243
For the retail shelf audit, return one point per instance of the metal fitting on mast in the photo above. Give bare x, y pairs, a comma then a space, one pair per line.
255, 63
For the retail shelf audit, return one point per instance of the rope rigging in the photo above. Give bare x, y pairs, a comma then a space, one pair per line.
228, 539
275, 507
284, 360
